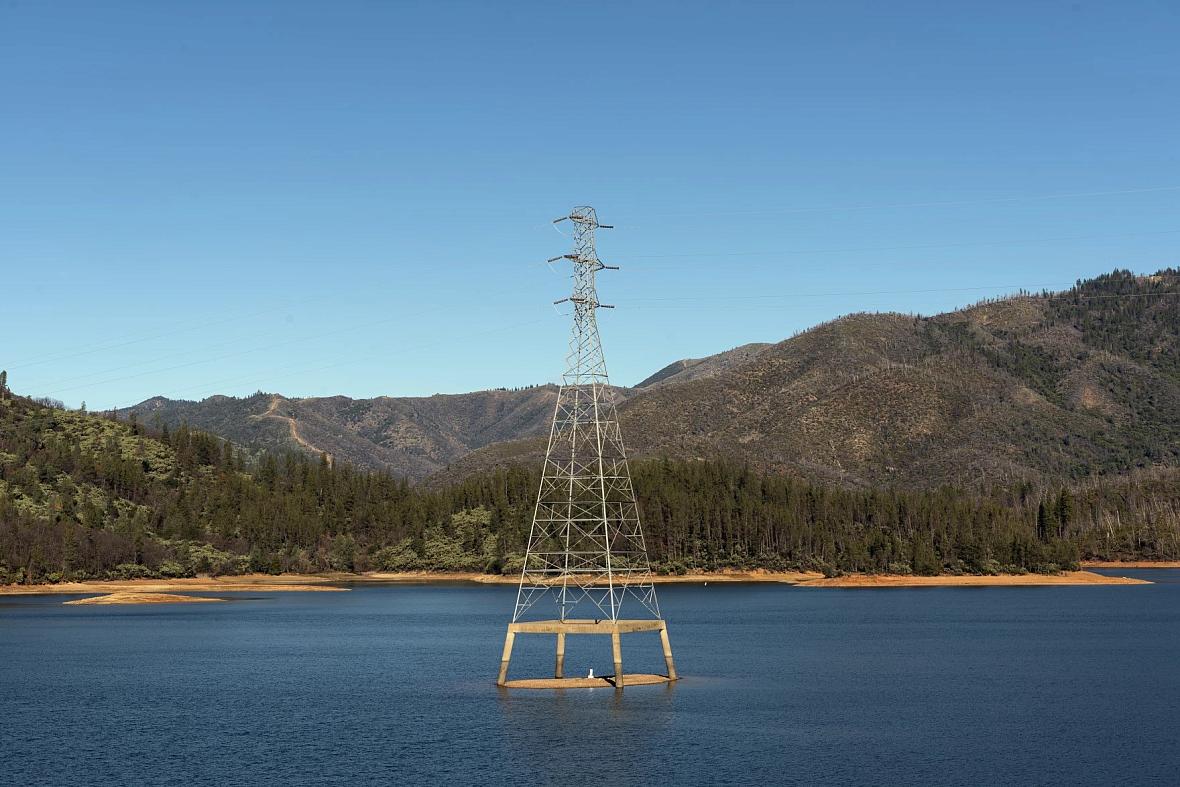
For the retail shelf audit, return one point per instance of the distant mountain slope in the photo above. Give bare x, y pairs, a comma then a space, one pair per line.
710, 366
411, 436
1047, 386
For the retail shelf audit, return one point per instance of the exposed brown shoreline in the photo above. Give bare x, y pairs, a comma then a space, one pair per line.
801, 578
127, 597
146, 591
970, 580
165, 591
791, 577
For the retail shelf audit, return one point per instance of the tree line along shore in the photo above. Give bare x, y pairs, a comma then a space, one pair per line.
85, 497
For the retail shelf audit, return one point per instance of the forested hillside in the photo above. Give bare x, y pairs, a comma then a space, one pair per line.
412, 436
1046, 388
84, 496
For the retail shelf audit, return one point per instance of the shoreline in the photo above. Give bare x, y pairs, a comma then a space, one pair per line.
1130, 564
798, 578
127, 597
132, 587
387, 577
147, 591
1064, 579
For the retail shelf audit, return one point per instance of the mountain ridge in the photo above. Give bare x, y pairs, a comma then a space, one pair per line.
1030, 387
1034, 387
410, 436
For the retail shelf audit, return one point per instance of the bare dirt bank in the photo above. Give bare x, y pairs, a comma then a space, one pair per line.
801, 578
146, 591
1003, 580
512, 579
246, 582
125, 597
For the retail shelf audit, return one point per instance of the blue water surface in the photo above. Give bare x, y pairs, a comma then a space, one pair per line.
782, 685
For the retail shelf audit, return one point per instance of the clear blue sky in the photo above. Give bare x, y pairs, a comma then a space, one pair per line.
355, 197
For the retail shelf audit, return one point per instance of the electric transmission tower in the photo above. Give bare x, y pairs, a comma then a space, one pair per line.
586, 553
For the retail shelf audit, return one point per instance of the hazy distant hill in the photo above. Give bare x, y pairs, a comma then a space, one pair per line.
411, 436
1045, 386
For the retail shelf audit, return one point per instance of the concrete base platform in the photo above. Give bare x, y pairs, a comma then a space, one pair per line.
563, 628
605, 682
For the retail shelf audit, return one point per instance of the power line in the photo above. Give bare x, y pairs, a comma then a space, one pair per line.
288, 372
772, 296
132, 338
636, 302
262, 348
853, 249
212, 359
693, 301
926, 204
1127, 295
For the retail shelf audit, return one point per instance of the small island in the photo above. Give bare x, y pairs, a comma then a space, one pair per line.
128, 597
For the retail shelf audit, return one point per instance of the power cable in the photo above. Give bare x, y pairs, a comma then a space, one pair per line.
895, 205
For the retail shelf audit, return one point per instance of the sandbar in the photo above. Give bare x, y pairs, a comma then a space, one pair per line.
124, 597
246, 582
969, 580
790, 577
329, 582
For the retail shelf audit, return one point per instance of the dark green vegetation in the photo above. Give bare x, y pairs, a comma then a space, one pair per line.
1017, 435
83, 496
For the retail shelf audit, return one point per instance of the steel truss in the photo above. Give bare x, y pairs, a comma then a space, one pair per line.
586, 551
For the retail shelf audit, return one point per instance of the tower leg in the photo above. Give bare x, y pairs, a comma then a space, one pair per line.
617, 651
507, 657
667, 652
559, 668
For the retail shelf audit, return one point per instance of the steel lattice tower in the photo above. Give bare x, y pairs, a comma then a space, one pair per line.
586, 551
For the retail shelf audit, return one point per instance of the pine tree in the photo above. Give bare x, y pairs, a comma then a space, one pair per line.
1065, 512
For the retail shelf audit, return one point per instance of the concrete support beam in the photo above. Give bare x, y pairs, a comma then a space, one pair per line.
585, 626
667, 653
559, 670
617, 651
506, 657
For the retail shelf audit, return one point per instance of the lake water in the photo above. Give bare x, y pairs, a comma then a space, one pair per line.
394, 684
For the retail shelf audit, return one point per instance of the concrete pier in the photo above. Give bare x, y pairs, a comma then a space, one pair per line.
671, 667
614, 628
506, 656
559, 670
